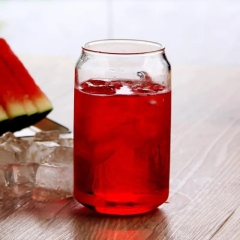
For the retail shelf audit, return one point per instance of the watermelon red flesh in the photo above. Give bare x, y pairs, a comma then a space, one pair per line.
11, 97
27, 83
18, 108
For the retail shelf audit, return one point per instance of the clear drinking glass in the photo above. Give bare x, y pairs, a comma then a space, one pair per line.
122, 121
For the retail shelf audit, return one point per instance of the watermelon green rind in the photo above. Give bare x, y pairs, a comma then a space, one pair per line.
43, 104
3, 114
14, 109
4, 126
18, 123
4, 122
29, 106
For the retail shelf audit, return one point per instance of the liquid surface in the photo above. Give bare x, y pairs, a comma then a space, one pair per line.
121, 146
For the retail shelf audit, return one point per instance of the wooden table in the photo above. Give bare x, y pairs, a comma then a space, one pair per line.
205, 165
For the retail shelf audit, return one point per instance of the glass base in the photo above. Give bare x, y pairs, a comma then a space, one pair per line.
116, 204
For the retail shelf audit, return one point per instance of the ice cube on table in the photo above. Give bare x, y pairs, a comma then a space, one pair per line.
47, 136
13, 150
2, 181
42, 166
5, 176
53, 181
6, 136
54, 178
62, 155
68, 142
6, 173
24, 173
39, 151
20, 178
2, 175
16, 144
7, 156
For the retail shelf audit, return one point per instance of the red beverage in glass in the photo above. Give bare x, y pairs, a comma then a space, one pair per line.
121, 145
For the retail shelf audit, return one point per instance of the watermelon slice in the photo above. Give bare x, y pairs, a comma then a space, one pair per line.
16, 104
21, 99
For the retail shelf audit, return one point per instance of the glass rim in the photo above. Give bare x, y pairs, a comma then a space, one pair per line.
157, 46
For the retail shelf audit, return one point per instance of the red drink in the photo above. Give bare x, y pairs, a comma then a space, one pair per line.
121, 145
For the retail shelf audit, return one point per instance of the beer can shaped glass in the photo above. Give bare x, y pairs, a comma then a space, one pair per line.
122, 123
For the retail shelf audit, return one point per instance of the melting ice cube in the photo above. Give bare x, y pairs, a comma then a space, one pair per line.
6, 136
2, 181
24, 173
39, 151
47, 136
7, 156
98, 86
21, 178
146, 85
68, 142
13, 150
62, 155
53, 181
20, 171
5, 179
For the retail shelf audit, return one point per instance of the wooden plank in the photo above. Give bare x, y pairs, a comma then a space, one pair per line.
205, 180
205, 162
230, 227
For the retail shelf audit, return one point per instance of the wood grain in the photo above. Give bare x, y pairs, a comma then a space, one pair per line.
205, 166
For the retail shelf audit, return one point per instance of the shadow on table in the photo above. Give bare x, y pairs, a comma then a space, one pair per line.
91, 225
